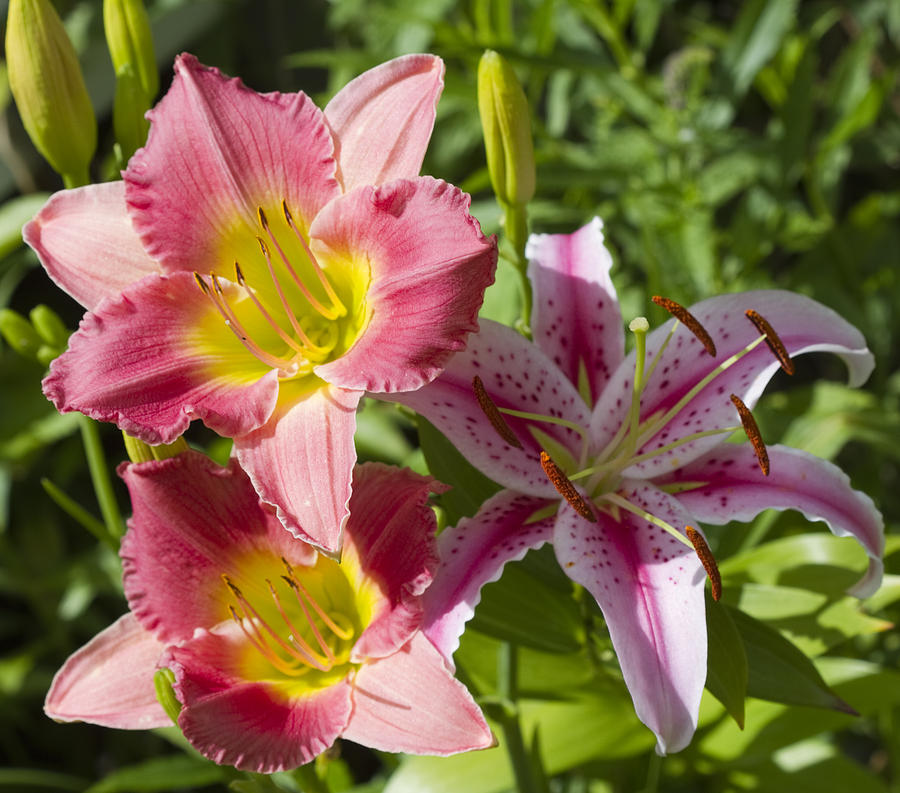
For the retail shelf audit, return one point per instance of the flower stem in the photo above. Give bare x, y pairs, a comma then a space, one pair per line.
106, 497
507, 686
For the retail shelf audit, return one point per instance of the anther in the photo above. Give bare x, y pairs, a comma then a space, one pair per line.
493, 414
566, 489
688, 320
204, 287
753, 433
263, 221
775, 344
707, 560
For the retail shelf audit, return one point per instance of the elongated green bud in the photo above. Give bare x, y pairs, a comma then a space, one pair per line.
165, 693
507, 130
130, 43
129, 106
140, 452
47, 84
19, 333
49, 326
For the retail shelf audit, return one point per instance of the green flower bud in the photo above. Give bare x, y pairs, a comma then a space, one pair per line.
130, 43
507, 130
46, 82
19, 333
140, 452
49, 327
129, 106
165, 694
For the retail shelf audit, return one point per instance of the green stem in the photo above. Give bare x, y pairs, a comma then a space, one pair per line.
78, 513
507, 685
106, 497
515, 226
71, 180
309, 779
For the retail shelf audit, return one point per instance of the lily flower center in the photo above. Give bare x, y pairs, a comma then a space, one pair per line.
590, 480
299, 626
287, 310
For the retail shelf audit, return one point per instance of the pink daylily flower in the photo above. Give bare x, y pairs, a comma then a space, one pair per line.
277, 650
640, 468
263, 264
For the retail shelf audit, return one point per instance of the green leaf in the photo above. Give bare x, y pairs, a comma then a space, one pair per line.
14, 214
19, 778
162, 773
470, 487
778, 671
726, 678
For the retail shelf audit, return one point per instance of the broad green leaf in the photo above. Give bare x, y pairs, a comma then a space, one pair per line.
726, 677
470, 488
162, 773
503, 298
834, 774
379, 433
22, 779
778, 671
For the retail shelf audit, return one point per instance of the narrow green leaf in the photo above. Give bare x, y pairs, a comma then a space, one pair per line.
727, 673
23, 778
778, 671
162, 773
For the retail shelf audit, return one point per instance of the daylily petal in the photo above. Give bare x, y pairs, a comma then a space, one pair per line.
382, 120
732, 487
803, 326
85, 241
410, 702
650, 589
193, 522
217, 151
576, 318
157, 357
301, 460
429, 266
390, 542
517, 375
253, 725
473, 554
109, 681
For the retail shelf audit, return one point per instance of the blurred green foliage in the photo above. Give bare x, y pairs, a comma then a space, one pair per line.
726, 145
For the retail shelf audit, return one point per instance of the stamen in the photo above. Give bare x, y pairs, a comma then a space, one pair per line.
307, 344
566, 489
297, 586
624, 503
328, 659
707, 560
325, 311
753, 433
493, 414
775, 344
688, 320
217, 295
326, 284
259, 643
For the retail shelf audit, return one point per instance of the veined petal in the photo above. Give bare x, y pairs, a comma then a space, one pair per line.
650, 589
429, 266
803, 326
516, 375
216, 152
410, 702
155, 358
733, 488
109, 681
252, 725
389, 545
301, 461
575, 318
86, 243
382, 120
194, 521
473, 554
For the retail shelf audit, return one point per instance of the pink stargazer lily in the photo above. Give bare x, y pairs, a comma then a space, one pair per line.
276, 649
640, 463
263, 264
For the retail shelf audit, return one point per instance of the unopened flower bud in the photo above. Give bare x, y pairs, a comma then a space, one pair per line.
49, 327
129, 106
46, 81
507, 130
19, 333
165, 693
130, 43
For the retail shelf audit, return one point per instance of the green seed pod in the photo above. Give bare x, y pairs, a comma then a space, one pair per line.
47, 84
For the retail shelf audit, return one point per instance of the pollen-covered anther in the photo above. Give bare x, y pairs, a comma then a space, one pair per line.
753, 433
688, 320
566, 489
493, 414
707, 560
772, 339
